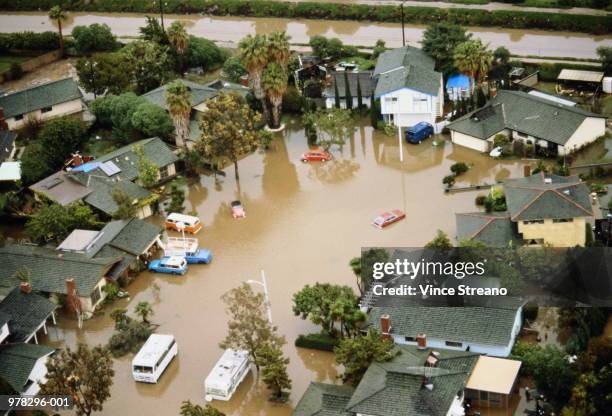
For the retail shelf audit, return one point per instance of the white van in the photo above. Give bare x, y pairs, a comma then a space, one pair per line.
226, 376
153, 358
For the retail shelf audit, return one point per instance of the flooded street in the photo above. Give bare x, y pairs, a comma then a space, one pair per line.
231, 29
304, 223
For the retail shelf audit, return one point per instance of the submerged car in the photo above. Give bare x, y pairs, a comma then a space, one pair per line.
496, 152
388, 218
237, 209
419, 132
169, 264
316, 155
201, 256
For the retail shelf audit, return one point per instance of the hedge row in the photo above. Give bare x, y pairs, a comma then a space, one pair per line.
30, 41
321, 342
312, 10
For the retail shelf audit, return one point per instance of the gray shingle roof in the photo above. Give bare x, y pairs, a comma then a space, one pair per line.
493, 229
406, 67
395, 388
321, 399
101, 193
17, 362
365, 81
198, 93
533, 198
61, 188
50, 268
26, 312
525, 113
131, 236
40, 96
7, 143
486, 325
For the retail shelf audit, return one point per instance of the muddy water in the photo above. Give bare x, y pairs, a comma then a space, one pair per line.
232, 29
304, 222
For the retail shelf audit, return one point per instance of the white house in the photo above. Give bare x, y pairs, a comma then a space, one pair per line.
546, 122
24, 367
356, 81
409, 89
41, 102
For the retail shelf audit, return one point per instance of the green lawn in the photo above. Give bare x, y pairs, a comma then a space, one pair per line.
7, 61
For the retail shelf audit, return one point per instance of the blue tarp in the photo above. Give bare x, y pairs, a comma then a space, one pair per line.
86, 167
458, 81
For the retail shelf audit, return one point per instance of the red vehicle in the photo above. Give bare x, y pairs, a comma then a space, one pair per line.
237, 210
316, 155
388, 218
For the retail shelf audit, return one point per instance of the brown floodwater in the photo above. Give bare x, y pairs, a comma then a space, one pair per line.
232, 29
304, 223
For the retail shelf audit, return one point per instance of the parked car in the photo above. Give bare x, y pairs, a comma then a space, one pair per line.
201, 256
496, 152
388, 218
169, 264
316, 155
237, 209
419, 132
180, 222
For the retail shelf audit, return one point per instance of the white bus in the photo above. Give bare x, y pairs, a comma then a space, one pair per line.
226, 376
153, 358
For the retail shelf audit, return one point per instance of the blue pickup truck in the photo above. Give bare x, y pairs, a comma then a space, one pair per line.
419, 132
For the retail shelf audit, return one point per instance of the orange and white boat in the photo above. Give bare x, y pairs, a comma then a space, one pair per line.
180, 222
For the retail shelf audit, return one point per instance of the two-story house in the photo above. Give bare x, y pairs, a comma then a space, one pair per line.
409, 89
542, 209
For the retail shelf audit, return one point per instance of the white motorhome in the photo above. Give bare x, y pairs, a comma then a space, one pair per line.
226, 376
153, 358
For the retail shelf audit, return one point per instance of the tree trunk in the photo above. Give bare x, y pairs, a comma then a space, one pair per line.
276, 111
61, 37
236, 170
260, 94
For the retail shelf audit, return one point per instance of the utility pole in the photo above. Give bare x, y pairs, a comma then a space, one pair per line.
263, 283
161, 12
403, 32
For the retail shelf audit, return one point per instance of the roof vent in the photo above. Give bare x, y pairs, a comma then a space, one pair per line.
429, 386
547, 180
567, 192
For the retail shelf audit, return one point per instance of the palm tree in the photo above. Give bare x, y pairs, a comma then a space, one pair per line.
56, 13
178, 101
144, 310
274, 82
179, 40
278, 48
253, 55
474, 59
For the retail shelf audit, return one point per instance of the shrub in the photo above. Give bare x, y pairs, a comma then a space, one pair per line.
15, 71
500, 140
480, 200
323, 342
293, 102
598, 187
205, 53
449, 180
45, 41
233, 69
459, 168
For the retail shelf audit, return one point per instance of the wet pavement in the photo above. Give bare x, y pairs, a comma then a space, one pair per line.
229, 30
304, 223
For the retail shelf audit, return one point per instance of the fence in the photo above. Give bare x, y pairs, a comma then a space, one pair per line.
592, 170
34, 63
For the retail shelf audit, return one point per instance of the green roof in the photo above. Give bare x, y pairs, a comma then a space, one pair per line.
543, 196
40, 96
26, 312
17, 362
51, 268
198, 93
321, 399
406, 67
525, 113
131, 236
101, 193
396, 388
493, 229
487, 324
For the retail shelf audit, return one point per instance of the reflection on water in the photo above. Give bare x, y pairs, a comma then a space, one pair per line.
304, 222
232, 29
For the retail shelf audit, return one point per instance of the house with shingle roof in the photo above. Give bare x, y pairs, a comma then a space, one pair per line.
24, 367
94, 182
58, 274
356, 80
409, 88
42, 102
134, 240
418, 381
547, 123
27, 313
542, 209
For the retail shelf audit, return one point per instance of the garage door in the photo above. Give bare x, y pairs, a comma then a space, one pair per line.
469, 141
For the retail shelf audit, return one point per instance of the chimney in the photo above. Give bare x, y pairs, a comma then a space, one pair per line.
77, 160
385, 326
527, 171
25, 287
72, 301
422, 341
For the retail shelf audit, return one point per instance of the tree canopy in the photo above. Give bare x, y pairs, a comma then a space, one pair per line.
333, 126
55, 222
439, 42
93, 38
190, 409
